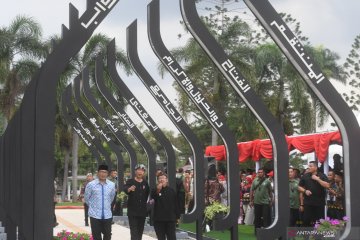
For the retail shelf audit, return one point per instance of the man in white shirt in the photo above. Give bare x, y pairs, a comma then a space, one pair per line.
98, 196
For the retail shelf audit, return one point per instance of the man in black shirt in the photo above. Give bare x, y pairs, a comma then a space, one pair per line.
180, 190
166, 210
138, 190
312, 188
338, 166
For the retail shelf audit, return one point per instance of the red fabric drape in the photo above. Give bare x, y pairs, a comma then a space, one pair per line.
257, 149
246, 149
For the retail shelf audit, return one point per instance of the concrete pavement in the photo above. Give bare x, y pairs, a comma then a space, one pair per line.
73, 221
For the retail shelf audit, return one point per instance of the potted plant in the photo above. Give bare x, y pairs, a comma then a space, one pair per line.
121, 197
121, 202
333, 227
66, 235
215, 210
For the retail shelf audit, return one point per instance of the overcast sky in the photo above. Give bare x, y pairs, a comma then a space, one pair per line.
332, 23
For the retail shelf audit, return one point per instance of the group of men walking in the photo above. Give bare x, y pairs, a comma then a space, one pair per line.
309, 194
99, 196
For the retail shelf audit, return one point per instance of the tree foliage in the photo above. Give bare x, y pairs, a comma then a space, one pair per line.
352, 68
21, 49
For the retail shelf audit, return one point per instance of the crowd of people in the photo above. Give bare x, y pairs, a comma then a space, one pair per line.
312, 196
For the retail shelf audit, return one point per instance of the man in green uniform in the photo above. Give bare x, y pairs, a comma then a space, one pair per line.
294, 198
261, 199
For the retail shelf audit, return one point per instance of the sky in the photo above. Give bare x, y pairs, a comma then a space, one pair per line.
331, 23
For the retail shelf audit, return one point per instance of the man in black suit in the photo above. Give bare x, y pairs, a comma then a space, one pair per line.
312, 188
138, 190
166, 212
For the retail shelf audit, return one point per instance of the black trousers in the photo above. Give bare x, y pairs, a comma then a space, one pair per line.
136, 224
165, 230
294, 217
311, 214
262, 214
113, 206
101, 226
86, 212
55, 220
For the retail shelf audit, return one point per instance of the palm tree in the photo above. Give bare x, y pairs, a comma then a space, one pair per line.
20, 50
288, 93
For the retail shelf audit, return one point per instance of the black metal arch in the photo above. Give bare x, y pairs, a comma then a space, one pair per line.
29, 140
175, 117
27, 146
140, 110
327, 94
85, 126
255, 104
110, 124
99, 128
75, 125
119, 109
204, 106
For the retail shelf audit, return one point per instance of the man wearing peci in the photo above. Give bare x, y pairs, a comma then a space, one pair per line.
138, 190
98, 196
166, 210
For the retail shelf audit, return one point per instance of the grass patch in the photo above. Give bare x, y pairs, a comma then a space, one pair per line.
245, 232
69, 204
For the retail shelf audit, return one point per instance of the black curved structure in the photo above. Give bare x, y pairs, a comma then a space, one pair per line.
110, 124
327, 94
86, 126
255, 104
173, 114
119, 109
27, 150
98, 126
71, 120
139, 109
207, 110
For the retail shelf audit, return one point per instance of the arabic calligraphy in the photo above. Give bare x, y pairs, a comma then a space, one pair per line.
93, 121
299, 49
165, 102
86, 130
78, 131
142, 113
195, 95
111, 124
229, 67
126, 119
101, 6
